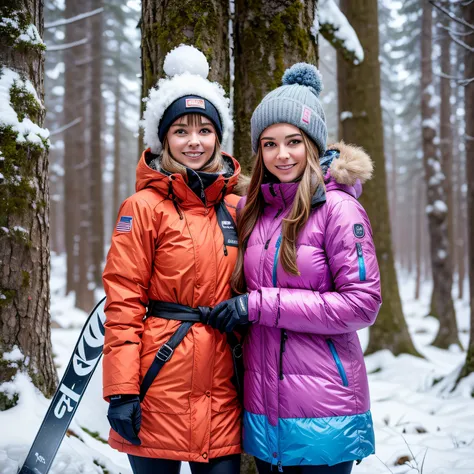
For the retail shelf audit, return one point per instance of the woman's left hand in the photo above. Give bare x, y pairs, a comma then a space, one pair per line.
226, 315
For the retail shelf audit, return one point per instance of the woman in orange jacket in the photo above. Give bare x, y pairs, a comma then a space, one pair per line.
173, 251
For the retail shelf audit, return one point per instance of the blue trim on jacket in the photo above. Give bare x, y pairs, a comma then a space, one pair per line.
309, 441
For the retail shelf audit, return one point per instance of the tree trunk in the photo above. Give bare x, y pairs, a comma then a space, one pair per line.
436, 209
359, 93
165, 25
469, 115
25, 331
96, 196
73, 139
270, 36
116, 190
419, 228
446, 135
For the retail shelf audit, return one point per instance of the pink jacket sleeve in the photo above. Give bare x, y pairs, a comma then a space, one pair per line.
356, 298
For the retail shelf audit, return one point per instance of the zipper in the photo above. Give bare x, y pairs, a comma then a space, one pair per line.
283, 339
275, 261
360, 258
272, 191
278, 213
280, 467
338, 362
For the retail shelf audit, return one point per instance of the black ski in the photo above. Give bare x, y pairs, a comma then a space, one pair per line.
64, 404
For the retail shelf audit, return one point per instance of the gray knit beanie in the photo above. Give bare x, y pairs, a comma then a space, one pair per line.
295, 102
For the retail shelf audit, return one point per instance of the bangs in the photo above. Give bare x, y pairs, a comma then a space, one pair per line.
196, 120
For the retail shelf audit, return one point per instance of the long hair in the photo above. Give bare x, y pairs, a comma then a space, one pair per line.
312, 178
168, 163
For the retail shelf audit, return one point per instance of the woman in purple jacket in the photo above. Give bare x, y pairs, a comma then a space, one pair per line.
308, 279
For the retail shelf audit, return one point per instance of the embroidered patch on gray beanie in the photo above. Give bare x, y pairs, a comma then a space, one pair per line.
296, 102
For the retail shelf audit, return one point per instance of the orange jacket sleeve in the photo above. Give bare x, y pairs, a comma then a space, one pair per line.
126, 279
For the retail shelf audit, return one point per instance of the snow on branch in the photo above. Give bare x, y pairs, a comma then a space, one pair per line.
335, 28
73, 19
452, 16
66, 127
61, 47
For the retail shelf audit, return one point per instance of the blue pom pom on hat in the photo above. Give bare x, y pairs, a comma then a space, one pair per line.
295, 102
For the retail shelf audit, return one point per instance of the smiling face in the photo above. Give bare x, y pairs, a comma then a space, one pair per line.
283, 151
192, 140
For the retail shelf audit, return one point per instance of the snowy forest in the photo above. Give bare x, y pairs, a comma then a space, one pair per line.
398, 81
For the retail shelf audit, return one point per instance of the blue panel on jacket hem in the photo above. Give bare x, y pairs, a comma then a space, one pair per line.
309, 441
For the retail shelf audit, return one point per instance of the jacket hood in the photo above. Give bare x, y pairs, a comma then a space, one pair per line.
346, 167
175, 186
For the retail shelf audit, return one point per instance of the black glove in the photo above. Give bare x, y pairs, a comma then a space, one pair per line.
226, 315
125, 416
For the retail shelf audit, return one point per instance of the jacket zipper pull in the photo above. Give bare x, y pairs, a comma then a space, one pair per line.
284, 337
280, 467
225, 250
278, 213
267, 243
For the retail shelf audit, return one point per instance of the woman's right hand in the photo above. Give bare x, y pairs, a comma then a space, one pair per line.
125, 417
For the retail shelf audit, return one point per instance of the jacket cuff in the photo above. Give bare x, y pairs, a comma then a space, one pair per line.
255, 303
270, 307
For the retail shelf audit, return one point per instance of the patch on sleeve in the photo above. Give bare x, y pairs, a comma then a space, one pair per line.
124, 224
359, 231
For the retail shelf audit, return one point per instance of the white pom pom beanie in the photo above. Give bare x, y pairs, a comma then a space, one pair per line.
295, 102
186, 69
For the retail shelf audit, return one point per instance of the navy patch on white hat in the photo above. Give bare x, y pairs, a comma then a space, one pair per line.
359, 231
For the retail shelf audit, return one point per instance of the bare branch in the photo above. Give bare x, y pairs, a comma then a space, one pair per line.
73, 19
461, 43
66, 127
61, 47
452, 15
455, 32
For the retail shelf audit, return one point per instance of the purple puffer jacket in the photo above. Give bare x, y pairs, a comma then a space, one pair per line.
306, 394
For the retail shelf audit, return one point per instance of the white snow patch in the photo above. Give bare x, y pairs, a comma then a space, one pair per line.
329, 13
440, 206
346, 115
429, 123
442, 254
26, 129
31, 36
14, 355
17, 228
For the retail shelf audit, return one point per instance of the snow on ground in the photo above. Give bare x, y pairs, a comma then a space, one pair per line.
420, 427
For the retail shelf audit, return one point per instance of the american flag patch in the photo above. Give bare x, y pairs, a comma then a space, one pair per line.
124, 224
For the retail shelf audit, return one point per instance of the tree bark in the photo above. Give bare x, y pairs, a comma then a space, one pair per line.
116, 190
359, 93
25, 331
96, 196
446, 135
469, 114
168, 24
73, 138
442, 301
420, 214
270, 36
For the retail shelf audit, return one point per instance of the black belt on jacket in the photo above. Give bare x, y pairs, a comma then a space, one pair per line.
188, 316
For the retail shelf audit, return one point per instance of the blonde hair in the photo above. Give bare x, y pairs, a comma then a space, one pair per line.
170, 164
310, 180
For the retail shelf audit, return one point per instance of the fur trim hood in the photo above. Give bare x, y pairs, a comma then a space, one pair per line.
186, 69
352, 164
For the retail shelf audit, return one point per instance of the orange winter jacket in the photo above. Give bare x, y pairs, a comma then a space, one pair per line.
174, 252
